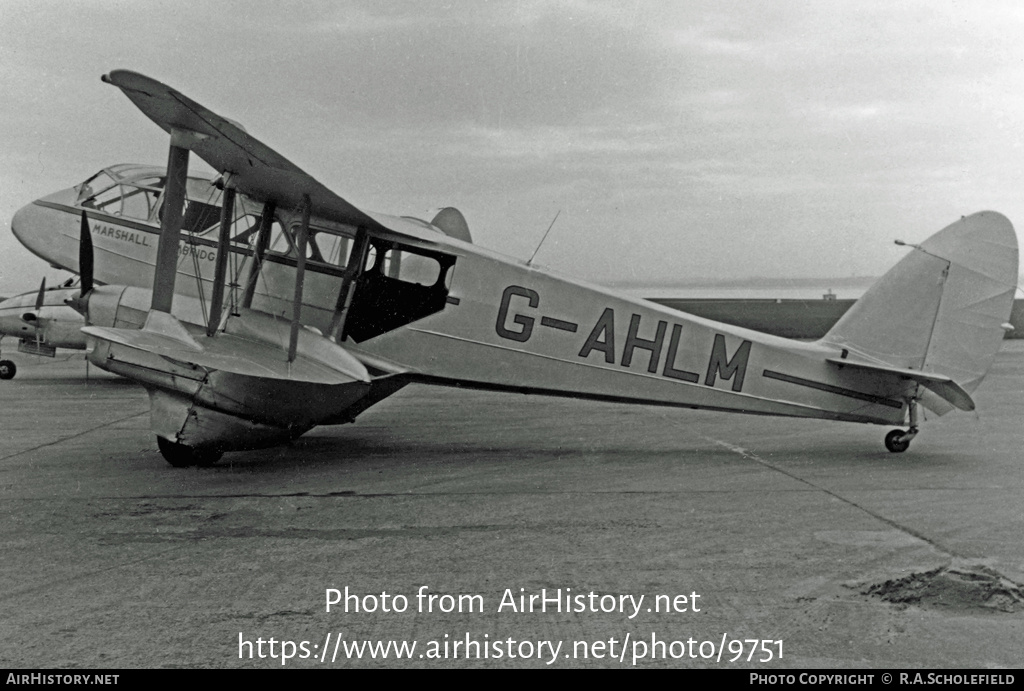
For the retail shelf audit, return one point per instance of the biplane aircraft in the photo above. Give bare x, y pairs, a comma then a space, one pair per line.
260, 304
42, 322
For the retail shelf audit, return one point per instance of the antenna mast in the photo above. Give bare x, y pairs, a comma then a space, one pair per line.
530, 260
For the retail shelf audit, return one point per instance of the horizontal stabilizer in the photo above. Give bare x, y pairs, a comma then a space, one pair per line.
941, 385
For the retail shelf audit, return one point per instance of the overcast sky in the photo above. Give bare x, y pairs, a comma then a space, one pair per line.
681, 140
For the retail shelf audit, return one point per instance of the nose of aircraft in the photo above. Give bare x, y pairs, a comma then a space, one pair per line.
31, 229
48, 228
20, 225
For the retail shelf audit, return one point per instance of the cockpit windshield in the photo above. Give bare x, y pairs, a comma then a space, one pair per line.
128, 190
135, 192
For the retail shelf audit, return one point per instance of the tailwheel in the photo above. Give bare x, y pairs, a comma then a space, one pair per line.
7, 369
182, 456
898, 441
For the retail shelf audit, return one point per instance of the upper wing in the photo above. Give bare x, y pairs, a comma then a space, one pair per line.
258, 171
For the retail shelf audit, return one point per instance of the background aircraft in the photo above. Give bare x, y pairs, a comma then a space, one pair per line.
42, 322
298, 309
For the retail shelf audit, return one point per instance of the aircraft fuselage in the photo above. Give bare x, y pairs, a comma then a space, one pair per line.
489, 321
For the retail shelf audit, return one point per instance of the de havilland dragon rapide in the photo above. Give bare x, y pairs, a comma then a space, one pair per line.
260, 304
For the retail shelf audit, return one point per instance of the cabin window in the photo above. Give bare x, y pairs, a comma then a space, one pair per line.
330, 248
411, 268
311, 250
203, 203
321, 246
245, 229
200, 217
141, 198
280, 241
400, 284
138, 202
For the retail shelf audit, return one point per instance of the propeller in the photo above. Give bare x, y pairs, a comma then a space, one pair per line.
85, 269
41, 296
33, 317
39, 311
85, 259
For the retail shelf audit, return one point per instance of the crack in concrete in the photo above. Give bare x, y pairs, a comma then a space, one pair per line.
72, 436
849, 502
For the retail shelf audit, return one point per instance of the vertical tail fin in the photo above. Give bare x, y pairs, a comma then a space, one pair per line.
943, 307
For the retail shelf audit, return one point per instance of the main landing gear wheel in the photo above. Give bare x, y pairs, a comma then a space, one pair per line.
182, 456
898, 441
7, 369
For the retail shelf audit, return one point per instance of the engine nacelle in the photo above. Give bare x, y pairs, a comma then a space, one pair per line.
124, 307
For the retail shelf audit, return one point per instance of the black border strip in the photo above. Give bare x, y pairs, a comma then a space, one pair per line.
100, 215
850, 393
559, 324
